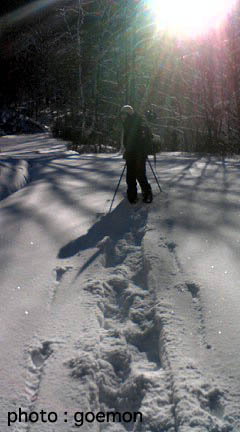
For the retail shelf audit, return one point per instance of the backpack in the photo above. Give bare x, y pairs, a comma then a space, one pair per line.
149, 147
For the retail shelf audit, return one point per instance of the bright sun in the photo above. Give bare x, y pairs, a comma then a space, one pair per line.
189, 17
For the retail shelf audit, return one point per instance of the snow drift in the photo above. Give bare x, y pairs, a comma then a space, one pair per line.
14, 175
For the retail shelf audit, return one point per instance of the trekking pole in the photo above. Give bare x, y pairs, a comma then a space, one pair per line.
154, 175
115, 193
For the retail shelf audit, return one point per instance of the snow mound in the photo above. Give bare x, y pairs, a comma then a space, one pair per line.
14, 175
12, 121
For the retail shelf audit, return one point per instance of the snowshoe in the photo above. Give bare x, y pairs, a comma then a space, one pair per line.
147, 197
133, 200
132, 197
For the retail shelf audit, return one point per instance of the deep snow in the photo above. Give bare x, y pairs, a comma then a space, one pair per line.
136, 310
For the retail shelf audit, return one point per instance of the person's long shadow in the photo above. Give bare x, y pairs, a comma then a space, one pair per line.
114, 225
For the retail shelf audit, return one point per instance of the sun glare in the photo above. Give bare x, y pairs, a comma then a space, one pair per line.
23, 12
189, 17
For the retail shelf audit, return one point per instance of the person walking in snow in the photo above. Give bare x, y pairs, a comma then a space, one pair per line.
135, 136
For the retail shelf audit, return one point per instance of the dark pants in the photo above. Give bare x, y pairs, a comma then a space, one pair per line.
136, 171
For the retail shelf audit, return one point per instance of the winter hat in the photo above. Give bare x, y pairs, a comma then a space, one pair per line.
127, 109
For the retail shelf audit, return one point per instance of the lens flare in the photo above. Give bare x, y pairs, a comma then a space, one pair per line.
189, 17
18, 15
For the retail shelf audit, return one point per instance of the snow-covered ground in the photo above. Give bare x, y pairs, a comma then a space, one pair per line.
136, 310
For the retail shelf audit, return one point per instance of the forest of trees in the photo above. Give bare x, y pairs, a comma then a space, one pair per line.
77, 62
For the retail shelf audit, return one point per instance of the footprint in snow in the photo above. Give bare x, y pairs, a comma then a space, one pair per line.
60, 271
40, 355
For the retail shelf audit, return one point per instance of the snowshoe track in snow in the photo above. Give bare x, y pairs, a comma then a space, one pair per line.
35, 360
59, 273
130, 377
144, 360
125, 366
191, 287
197, 402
